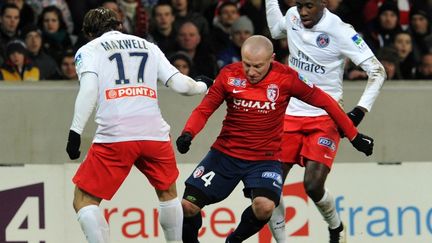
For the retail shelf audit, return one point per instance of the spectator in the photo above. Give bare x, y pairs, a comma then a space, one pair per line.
403, 45
189, 40
27, 15
126, 22
425, 67
67, 67
32, 36
163, 31
136, 12
9, 20
241, 29
184, 14
221, 31
372, 8
54, 32
39, 5
18, 66
389, 58
183, 63
420, 28
382, 31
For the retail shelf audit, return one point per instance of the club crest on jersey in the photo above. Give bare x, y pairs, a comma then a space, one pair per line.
296, 21
272, 92
323, 40
327, 143
237, 82
199, 171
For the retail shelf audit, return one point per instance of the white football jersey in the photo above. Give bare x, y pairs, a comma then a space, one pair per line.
128, 68
318, 55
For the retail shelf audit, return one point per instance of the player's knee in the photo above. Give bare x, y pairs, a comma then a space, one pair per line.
263, 207
189, 209
313, 187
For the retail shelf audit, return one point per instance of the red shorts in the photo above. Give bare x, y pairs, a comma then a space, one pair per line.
107, 165
311, 138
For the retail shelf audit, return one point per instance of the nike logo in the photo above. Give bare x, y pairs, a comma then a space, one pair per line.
367, 140
327, 157
294, 28
280, 222
235, 91
276, 185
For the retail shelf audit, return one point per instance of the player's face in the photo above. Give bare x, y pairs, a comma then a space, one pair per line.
256, 66
310, 11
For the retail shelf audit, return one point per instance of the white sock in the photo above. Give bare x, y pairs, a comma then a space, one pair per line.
326, 206
93, 224
277, 223
171, 220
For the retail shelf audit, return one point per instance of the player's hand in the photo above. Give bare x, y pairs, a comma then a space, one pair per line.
202, 78
184, 142
363, 144
73, 145
356, 115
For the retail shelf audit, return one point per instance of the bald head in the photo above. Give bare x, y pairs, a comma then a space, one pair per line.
257, 56
257, 45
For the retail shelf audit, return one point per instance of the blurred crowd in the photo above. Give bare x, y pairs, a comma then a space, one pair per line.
38, 38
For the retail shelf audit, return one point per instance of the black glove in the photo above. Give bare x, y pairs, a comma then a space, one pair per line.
73, 145
184, 142
363, 144
356, 116
202, 78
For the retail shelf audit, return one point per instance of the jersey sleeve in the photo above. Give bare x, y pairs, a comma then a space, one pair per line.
352, 44
85, 61
210, 103
313, 95
165, 69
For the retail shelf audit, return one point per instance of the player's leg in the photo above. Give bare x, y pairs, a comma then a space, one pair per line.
90, 217
320, 150
263, 185
158, 164
170, 214
292, 141
212, 181
94, 182
277, 220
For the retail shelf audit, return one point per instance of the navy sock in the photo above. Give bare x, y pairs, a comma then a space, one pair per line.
191, 226
249, 225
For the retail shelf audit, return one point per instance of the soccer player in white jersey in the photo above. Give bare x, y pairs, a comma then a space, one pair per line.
118, 75
319, 42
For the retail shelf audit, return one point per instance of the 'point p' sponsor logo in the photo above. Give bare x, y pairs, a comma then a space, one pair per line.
130, 92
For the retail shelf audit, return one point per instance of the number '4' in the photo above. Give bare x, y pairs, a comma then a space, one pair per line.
207, 178
120, 67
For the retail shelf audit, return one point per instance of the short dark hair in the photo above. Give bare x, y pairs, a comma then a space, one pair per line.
98, 21
6, 6
159, 4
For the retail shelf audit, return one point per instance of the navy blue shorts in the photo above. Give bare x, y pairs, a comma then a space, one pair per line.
218, 174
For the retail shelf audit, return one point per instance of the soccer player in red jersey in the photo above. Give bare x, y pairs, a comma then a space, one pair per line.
257, 91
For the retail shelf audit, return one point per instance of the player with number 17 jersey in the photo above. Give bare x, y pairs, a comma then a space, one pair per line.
125, 78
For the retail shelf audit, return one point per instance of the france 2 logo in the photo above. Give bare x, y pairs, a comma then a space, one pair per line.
296, 203
23, 214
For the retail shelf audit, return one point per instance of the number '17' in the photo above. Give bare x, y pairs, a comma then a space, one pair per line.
122, 79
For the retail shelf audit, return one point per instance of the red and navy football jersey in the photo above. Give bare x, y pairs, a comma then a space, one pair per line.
253, 126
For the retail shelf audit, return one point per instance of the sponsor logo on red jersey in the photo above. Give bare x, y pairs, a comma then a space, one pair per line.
129, 92
237, 82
